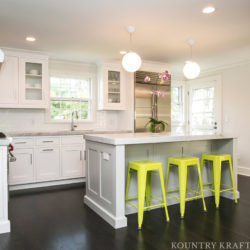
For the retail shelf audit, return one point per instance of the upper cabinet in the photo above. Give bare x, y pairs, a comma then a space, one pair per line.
111, 87
33, 76
9, 81
24, 81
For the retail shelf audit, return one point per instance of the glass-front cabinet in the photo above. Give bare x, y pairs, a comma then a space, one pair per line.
34, 81
111, 87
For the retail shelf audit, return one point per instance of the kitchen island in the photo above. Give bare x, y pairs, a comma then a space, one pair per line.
107, 157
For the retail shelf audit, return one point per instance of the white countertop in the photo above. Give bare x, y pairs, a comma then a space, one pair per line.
141, 138
63, 132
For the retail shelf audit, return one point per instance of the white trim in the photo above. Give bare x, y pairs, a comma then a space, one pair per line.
47, 184
4, 226
115, 222
243, 171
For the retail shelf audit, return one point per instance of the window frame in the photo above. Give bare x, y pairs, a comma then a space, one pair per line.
91, 99
180, 83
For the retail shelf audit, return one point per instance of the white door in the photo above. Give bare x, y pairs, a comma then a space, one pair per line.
205, 106
22, 171
72, 160
9, 81
47, 163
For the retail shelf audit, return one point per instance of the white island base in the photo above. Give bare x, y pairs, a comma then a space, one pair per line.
4, 221
108, 157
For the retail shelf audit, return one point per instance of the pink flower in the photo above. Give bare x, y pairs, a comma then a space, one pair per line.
157, 93
164, 75
147, 79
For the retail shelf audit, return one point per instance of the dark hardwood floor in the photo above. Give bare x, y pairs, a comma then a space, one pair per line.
58, 219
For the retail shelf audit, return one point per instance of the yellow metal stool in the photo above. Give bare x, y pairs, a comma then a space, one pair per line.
144, 169
183, 162
217, 159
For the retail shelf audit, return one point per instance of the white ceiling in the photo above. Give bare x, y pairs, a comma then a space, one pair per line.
94, 30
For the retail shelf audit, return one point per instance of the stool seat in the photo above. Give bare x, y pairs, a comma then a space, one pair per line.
216, 156
216, 159
147, 164
183, 162
144, 169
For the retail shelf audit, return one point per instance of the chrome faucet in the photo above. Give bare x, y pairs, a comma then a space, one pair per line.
73, 126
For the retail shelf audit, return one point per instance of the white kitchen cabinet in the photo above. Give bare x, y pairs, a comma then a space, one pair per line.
47, 163
9, 81
33, 78
24, 80
22, 170
72, 161
111, 87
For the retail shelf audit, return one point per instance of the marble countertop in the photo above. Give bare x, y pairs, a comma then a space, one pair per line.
141, 138
63, 132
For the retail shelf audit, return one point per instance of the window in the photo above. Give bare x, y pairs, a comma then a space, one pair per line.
68, 95
177, 107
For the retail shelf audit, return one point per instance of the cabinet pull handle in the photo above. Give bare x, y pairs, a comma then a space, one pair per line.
20, 142
80, 155
85, 155
48, 150
31, 160
47, 141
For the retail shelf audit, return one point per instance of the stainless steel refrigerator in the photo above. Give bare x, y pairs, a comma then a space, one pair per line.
152, 99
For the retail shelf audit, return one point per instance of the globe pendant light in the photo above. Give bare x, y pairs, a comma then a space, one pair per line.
191, 69
131, 61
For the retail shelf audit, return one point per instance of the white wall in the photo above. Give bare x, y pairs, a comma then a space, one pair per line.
36, 120
236, 108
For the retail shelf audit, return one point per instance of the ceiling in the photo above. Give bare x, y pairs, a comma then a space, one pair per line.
95, 30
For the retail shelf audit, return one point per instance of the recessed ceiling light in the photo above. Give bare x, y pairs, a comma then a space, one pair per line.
30, 39
123, 52
208, 10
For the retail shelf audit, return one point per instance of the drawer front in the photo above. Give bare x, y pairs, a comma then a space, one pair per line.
47, 140
22, 142
76, 139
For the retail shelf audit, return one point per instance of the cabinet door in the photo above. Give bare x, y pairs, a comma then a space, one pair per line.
22, 171
112, 89
47, 163
72, 159
33, 77
9, 81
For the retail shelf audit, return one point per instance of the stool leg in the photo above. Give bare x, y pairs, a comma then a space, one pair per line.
163, 193
198, 182
141, 187
182, 187
148, 189
217, 179
167, 173
201, 186
127, 185
232, 179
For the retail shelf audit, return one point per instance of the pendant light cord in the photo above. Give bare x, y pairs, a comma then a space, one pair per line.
191, 52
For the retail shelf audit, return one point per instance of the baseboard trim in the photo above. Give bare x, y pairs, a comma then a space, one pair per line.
115, 222
243, 171
46, 184
4, 226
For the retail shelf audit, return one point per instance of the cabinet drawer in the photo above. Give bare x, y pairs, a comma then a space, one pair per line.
23, 141
77, 139
44, 141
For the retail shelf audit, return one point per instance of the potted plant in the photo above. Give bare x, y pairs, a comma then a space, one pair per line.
156, 126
